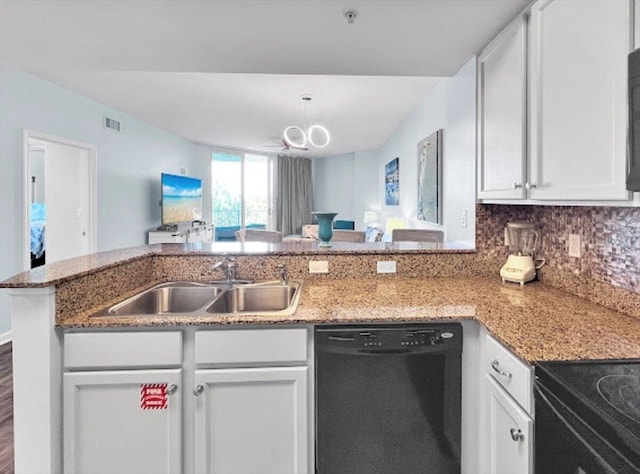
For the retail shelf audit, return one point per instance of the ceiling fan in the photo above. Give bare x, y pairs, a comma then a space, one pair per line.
287, 146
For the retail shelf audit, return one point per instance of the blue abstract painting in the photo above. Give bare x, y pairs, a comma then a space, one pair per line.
392, 182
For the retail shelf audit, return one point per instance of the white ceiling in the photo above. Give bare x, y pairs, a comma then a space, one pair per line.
232, 72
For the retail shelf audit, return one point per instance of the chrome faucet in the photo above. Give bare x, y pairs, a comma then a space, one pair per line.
229, 269
282, 270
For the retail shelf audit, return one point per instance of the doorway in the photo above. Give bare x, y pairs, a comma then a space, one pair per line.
60, 202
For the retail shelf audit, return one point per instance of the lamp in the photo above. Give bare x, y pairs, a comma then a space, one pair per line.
370, 217
315, 135
394, 223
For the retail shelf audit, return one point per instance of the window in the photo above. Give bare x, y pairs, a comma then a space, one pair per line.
242, 192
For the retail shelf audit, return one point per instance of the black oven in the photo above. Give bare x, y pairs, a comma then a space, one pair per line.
587, 417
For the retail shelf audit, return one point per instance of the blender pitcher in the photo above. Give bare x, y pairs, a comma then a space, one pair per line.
521, 266
522, 238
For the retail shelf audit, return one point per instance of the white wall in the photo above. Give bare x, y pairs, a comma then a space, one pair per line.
334, 189
460, 156
428, 116
450, 106
368, 188
129, 164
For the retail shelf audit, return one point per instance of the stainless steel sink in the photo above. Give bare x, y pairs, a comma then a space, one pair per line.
173, 297
272, 298
195, 298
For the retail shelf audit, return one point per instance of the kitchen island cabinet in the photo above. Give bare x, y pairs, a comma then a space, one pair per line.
252, 420
108, 429
122, 413
537, 322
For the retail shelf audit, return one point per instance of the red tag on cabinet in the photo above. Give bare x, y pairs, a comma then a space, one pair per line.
153, 396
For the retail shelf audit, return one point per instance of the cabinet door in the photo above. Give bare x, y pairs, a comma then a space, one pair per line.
122, 422
578, 100
502, 115
252, 421
510, 433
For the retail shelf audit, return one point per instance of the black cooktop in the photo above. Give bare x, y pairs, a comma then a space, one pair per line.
605, 394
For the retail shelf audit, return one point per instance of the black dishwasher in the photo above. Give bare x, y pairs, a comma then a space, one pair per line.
388, 398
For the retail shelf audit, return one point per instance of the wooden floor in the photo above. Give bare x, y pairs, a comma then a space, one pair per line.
6, 410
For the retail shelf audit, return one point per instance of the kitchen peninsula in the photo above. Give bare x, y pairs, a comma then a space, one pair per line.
55, 303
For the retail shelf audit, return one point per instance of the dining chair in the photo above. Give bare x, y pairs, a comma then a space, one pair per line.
340, 235
417, 235
256, 235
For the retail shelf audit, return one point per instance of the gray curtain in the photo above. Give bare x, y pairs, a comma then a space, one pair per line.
294, 196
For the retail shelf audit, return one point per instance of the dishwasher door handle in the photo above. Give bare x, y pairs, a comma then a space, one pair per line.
341, 338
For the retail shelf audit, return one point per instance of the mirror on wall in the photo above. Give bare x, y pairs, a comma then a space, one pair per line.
430, 178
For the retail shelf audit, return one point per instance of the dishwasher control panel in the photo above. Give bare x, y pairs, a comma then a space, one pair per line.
410, 338
421, 338
399, 339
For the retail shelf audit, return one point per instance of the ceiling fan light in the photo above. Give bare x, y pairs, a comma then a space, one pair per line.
323, 132
286, 136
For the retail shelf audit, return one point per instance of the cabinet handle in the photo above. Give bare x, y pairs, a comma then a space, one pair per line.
171, 389
516, 434
530, 186
517, 185
495, 365
198, 390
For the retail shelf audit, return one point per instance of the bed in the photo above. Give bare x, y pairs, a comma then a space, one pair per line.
37, 216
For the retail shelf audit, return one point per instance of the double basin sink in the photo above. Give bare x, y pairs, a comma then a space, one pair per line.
224, 297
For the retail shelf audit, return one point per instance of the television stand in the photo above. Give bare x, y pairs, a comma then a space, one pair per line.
190, 235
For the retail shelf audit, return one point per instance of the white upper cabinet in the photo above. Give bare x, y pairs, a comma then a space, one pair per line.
578, 101
552, 92
502, 112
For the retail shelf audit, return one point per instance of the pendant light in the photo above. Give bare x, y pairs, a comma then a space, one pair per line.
315, 135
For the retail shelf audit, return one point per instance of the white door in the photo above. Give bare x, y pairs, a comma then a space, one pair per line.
502, 117
252, 421
510, 430
67, 202
578, 100
59, 199
122, 422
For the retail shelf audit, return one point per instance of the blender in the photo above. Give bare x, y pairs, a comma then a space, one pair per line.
522, 239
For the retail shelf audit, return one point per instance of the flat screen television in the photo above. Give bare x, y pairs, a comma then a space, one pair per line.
181, 199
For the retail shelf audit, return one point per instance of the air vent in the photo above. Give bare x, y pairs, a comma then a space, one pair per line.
111, 124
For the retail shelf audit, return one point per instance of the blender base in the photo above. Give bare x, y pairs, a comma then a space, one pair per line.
518, 269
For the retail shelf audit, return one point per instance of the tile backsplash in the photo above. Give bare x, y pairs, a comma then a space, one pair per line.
610, 245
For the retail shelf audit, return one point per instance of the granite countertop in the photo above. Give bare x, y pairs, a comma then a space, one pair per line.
537, 322
55, 273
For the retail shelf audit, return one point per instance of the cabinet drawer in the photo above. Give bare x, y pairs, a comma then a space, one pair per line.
251, 346
122, 349
510, 372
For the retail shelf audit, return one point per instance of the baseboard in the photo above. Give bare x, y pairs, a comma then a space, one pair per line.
5, 337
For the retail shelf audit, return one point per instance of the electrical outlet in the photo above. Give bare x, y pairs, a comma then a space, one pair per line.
464, 218
318, 266
387, 266
575, 246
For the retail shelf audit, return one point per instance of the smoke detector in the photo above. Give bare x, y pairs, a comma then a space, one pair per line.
350, 15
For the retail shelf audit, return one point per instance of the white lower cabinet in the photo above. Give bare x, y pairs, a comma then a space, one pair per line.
510, 434
251, 420
122, 421
228, 401
506, 427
